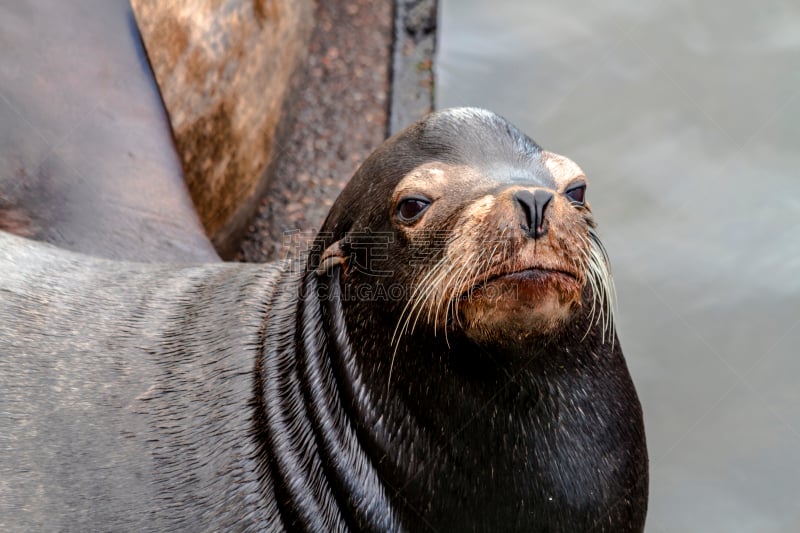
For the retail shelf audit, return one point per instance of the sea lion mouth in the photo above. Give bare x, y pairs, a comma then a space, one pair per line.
530, 276
515, 301
533, 274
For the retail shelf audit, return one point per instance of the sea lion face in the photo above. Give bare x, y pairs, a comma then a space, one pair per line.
514, 248
489, 235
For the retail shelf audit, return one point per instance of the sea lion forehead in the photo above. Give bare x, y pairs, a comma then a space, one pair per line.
563, 169
497, 150
437, 176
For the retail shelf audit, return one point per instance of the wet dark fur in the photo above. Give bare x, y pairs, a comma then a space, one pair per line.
252, 397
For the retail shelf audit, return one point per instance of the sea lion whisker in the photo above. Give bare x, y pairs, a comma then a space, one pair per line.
591, 279
437, 285
598, 266
424, 301
608, 292
418, 297
453, 288
470, 271
420, 286
440, 301
481, 264
417, 300
486, 262
456, 284
598, 297
432, 304
447, 299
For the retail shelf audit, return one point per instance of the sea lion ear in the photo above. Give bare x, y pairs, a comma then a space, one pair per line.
332, 257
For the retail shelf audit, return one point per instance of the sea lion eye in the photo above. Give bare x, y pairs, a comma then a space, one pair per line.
411, 209
577, 194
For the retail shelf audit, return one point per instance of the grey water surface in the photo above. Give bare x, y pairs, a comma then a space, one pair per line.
685, 116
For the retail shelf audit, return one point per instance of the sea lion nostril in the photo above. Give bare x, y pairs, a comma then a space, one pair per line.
526, 201
533, 210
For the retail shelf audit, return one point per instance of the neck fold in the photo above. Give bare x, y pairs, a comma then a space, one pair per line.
322, 477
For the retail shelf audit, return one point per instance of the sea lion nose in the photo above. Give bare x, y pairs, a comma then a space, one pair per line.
533, 206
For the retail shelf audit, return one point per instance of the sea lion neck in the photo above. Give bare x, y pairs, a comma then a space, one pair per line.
479, 437
322, 477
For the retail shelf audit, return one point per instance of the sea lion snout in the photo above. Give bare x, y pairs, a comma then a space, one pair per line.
528, 282
533, 207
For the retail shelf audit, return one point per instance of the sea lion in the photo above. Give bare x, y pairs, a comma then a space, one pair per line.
443, 358
226, 71
87, 160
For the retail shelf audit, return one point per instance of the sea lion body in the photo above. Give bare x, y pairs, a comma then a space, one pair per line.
126, 393
443, 358
87, 160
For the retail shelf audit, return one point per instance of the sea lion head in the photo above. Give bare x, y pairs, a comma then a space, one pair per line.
461, 225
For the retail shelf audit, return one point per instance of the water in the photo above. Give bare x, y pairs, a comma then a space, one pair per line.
686, 118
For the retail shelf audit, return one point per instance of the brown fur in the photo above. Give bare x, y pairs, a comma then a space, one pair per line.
14, 220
